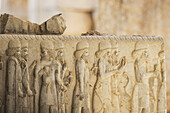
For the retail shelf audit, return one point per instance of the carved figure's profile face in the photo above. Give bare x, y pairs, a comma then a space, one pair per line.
145, 53
115, 53
17, 53
24, 53
86, 53
108, 53
59, 54
44, 53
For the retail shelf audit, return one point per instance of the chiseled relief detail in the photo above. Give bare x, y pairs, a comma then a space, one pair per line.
83, 76
102, 89
140, 100
81, 99
63, 76
161, 93
110, 88
14, 91
51, 79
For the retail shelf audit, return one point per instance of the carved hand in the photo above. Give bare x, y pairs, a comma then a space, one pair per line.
48, 80
123, 61
30, 93
64, 66
21, 94
23, 64
94, 68
63, 88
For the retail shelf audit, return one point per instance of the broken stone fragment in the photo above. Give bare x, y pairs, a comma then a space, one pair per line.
33, 28
13, 25
94, 33
3, 21
55, 25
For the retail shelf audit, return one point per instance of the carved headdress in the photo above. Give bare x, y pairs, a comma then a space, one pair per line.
46, 44
24, 43
12, 46
58, 45
103, 46
80, 48
138, 47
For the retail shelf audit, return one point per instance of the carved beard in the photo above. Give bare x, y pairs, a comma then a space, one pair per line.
18, 57
25, 57
60, 58
85, 59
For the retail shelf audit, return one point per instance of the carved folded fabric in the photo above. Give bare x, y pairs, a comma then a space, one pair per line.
82, 74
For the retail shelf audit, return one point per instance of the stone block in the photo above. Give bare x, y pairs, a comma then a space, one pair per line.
74, 74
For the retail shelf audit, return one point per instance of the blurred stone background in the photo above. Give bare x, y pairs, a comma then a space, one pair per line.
117, 17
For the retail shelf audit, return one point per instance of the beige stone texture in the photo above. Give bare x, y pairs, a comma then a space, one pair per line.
13, 25
136, 17
75, 74
54, 25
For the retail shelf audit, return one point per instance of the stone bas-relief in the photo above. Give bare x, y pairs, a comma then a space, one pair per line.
82, 74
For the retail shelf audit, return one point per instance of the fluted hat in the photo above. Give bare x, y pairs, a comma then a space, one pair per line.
138, 47
14, 44
80, 47
58, 45
47, 44
104, 45
24, 43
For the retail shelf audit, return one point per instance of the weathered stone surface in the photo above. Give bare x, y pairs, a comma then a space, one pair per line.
55, 25
12, 25
94, 33
75, 74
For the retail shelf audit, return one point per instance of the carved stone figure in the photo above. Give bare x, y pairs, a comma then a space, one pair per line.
102, 88
25, 76
61, 75
14, 93
140, 102
162, 89
48, 93
81, 99
124, 97
118, 65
